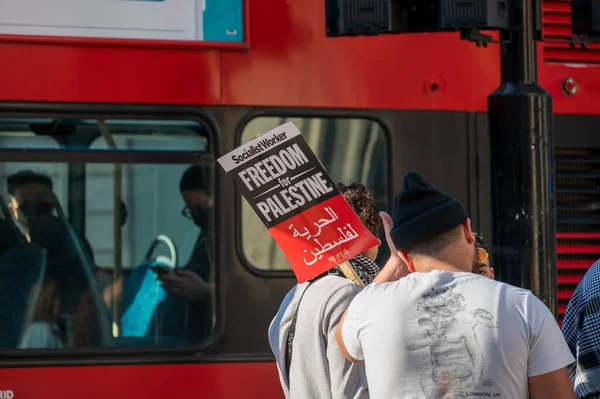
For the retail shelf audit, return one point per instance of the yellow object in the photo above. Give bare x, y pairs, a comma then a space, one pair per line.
350, 274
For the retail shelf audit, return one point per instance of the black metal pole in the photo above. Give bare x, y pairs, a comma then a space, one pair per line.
522, 162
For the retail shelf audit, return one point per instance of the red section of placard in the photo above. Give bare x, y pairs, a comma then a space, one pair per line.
321, 237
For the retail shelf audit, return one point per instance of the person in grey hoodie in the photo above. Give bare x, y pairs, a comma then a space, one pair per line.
317, 368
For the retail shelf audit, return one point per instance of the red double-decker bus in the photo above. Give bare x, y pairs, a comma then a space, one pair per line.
114, 123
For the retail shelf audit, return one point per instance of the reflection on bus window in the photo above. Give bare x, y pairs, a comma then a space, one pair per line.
105, 254
350, 149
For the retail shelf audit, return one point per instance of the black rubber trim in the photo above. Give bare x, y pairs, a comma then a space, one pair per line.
103, 156
131, 361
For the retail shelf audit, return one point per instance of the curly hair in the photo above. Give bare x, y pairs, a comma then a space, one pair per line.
363, 204
479, 240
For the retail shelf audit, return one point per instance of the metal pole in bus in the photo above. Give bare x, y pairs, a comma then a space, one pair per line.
117, 238
522, 163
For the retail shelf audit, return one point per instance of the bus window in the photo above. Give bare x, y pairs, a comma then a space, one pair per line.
114, 223
350, 149
142, 186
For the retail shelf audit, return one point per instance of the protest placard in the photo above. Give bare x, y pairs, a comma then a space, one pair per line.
294, 196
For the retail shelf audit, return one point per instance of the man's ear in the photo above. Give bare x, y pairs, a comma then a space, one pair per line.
407, 259
469, 236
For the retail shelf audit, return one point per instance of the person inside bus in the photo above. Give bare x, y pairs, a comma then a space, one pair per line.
13, 206
483, 257
11, 232
191, 283
317, 368
44, 331
25, 184
33, 208
33, 204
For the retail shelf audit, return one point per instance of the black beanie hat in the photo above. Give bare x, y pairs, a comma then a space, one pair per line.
422, 211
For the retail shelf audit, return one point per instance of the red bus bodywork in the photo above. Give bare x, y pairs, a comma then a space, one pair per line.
286, 52
286, 62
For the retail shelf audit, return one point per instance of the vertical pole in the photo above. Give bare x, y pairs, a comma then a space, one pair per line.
117, 236
522, 163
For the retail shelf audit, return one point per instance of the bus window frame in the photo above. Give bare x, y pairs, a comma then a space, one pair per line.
276, 112
113, 112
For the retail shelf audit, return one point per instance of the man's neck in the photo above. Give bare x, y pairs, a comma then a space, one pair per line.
427, 264
444, 268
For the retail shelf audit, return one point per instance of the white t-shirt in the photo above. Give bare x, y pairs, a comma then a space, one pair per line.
40, 335
447, 335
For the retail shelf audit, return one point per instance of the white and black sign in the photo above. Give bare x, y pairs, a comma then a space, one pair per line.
279, 175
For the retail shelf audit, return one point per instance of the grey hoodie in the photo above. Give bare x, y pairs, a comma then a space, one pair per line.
318, 369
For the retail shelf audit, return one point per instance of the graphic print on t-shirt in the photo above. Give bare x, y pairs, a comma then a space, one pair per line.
452, 334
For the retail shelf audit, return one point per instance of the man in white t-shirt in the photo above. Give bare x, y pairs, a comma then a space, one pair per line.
442, 331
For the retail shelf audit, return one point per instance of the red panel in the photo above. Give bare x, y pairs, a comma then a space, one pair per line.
587, 76
574, 264
570, 279
565, 294
581, 236
557, 27
578, 249
91, 74
556, 6
292, 63
562, 309
214, 381
562, 52
558, 61
557, 23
